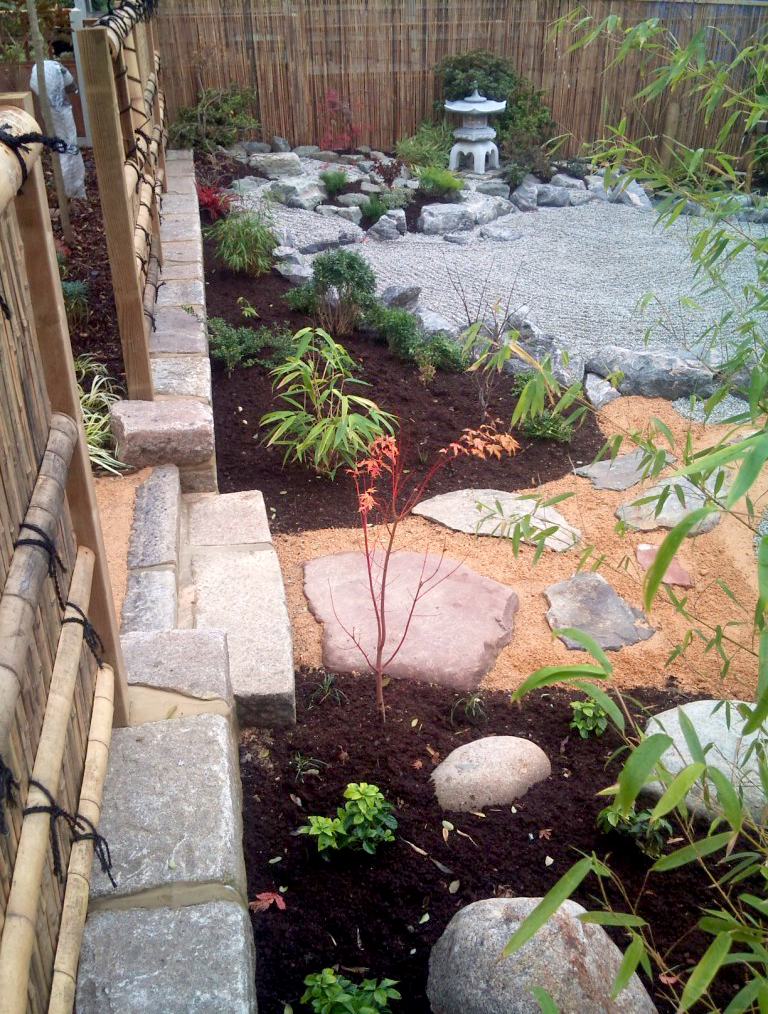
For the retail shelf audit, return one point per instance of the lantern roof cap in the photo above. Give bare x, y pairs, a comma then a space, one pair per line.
475, 103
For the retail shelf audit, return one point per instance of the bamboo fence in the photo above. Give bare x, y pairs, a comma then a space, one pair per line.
121, 83
47, 677
379, 55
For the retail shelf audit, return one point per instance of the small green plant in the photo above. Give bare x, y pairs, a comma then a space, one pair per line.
334, 181
321, 424
244, 242
345, 286
329, 993
302, 299
399, 329
363, 823
588, 718
75, 295
439, 183
548, 425
374, 208
324, 691
650, 836
305, 766
471, 707
220, 117
245, 346
443, 352
97, 394
430, 146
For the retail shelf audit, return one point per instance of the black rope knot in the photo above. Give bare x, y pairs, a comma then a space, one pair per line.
47, 544
19, 143
90, 635
8, 789
100, 846
56, 813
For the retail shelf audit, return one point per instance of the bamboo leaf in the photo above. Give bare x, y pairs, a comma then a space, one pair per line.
705, 971
698, 850
638, 768
677, 790
548, 905
667, 550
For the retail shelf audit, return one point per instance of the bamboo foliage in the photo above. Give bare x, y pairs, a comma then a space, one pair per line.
379, 56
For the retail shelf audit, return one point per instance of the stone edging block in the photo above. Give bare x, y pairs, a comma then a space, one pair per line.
154, 540
179, 431
151, 601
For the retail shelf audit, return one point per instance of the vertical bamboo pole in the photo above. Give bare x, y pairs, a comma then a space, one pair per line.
81, 858
56, 354
109, 153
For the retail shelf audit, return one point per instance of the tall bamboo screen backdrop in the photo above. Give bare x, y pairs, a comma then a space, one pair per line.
121, 82
56, 706
379, 56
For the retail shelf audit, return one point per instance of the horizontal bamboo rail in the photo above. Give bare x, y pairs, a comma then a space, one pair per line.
81, 857
19, 932
16, 122
29, 567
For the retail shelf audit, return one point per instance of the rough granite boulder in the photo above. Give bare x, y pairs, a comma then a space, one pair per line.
401, 297
277, 165
303, 193
306, 150
587, 602
492, 771
386, 230
720, 730
631, 194
353, 214
567, 366
548, 196
599, 391
485, 208
453, 640
435, 323
525, 196
575, 962
437, 219
668, 375
569, 182
493, 188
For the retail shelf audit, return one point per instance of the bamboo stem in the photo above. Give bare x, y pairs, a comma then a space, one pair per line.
81, 857
19, 930
16, 122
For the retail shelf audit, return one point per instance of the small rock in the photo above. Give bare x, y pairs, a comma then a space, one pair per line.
492, 771
596, 187
675, 574
280, 144
370, 188
352, 214
624, 471
401, 297
306, 150
524, 196
669, 375
588, 603
284, 253
500, 233
574, 962
457, 238
632, 194
599, 392
579, 198
493, 188
648, 516
350, 159
256, 147
324, 156
569, 182
295, 273
351, 200
486, 209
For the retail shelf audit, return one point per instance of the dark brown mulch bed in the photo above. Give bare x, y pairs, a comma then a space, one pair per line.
430, 418
364, 914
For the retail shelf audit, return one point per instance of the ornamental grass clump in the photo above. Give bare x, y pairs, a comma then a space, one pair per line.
439, 183
386, 495
244, 242
362, 824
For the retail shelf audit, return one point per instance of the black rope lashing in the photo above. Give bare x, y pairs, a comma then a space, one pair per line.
56, 814
5, 308
8, 789
45, 543
148, 313
100, 845
90, 634
140, 10
19, 143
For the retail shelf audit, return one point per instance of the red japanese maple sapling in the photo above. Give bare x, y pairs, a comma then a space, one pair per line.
385, 497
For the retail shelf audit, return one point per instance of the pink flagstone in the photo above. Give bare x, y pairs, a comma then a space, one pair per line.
454, 636
674, 574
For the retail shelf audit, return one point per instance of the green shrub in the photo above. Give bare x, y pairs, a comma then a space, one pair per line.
442, 352
321, 424
329, 993
649, 836
244, 242
547, 425
399, 329
221, 117
430, 146
396, 197
374, 208
588, 717
334, 181
363, 823
245, 346
75, 295
302, 299
353, 284
439, 183
525, 124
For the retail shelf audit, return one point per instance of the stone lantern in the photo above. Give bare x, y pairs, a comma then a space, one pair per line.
474, 137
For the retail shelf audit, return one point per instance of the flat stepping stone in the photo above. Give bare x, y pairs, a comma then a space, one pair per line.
675, 574
459, 511
588, 603
624, 471
227, 519
176, 673
193, 960
731, 752
172, 814
455, 634
495, 770
682, 499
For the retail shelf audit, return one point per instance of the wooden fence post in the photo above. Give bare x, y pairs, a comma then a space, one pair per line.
110, 154
56, 354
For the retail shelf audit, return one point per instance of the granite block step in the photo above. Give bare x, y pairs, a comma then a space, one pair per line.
193, 960
172, 815
177, 673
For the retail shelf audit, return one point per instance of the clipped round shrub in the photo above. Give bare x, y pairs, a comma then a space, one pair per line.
345, 286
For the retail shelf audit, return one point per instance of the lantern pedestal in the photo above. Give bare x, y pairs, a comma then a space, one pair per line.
474, 138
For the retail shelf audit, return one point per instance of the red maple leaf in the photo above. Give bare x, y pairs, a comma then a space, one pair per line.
265, 899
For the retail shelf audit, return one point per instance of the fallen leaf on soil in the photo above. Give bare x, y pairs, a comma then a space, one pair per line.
295, 799
548, 861
441, 866
465, 835
417, 765
343, 755
546, 833
668, 980
415, 848
433, 754
454, 886
264, 900
477, 813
